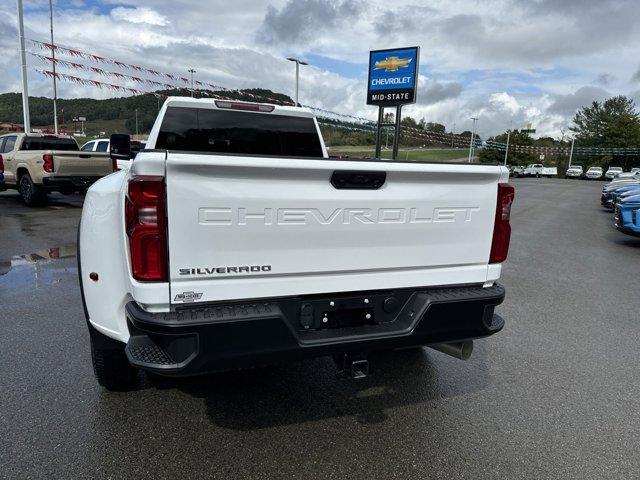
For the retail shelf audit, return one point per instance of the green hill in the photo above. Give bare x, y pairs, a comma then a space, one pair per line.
108, 115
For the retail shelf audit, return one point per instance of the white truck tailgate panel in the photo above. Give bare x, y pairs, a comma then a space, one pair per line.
252, 227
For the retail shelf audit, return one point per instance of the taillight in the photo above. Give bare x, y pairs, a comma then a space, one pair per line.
501, 226
114, 164
48, 162
1, 164
146, 224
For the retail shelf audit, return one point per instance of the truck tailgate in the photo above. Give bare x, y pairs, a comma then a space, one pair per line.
252, 227
80, 164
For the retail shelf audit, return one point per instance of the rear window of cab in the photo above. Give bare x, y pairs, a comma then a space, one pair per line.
232, 132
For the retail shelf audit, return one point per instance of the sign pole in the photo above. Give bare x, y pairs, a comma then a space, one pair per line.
396, 134
392, 82
379, 131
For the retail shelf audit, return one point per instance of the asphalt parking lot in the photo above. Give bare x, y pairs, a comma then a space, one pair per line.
554, 395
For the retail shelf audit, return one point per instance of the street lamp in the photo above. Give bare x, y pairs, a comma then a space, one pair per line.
473, 134
298, 63
192, 71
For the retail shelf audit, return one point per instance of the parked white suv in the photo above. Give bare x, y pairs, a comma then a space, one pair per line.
594, 173
612, 172
574, 171
102, 145
234, 240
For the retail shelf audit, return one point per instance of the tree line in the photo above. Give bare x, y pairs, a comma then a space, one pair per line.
612, 123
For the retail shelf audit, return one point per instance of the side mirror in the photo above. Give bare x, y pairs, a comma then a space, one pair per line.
120, 146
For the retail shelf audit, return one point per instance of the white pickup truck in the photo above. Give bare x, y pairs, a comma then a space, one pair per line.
234, 241
539, 170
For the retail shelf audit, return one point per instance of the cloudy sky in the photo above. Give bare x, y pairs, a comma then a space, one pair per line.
507, 62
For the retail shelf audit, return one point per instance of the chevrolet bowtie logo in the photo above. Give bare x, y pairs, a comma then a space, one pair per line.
392, 64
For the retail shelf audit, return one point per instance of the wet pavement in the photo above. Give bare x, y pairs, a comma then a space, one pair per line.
554, 395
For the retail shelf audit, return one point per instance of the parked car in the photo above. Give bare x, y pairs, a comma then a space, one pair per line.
627, 215
516, 171
228, 250
612, 172
621, 181
616, 193
35, 164
102, 145
98, 145
538, 170
606, 198
623, 175
594, 173
1, 170
635, 170
575, 171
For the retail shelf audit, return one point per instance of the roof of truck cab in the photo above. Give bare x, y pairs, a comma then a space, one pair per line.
188, 102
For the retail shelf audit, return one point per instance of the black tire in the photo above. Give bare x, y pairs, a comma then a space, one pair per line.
110, 365
31, 194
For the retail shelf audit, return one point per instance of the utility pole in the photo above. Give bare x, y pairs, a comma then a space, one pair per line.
506, 152
473, 134
571, 154
298, 63
192, 71
53, 65
136, 123
23, 72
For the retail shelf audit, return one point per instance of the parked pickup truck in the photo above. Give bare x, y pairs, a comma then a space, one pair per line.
234, 240
36, 164
538, 170
574, 171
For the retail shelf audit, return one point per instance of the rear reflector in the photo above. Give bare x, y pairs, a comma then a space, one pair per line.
48, 162
146, 224
501, 226
251, 107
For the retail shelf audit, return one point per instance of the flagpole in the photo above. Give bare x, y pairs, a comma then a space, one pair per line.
23, 72
53, 64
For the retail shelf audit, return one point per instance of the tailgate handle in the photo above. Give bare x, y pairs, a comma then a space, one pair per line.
85, 155
354, 180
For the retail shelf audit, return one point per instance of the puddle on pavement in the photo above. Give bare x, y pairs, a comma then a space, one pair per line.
41, 266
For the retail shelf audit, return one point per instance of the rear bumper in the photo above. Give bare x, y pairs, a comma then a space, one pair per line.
69, 183
233, 335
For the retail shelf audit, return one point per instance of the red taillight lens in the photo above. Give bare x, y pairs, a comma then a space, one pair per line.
114, 164
1, 164
146, 224
48, 162
501, 226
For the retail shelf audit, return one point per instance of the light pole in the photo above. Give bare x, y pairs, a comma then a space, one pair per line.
298, 63
53, 65
571, 153
506, 152
192, 71
453, 132
23, 72
473, 134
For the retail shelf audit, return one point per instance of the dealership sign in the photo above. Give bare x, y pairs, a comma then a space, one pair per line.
393, 76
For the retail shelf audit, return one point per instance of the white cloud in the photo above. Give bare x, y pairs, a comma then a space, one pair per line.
518, 61
139, 15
